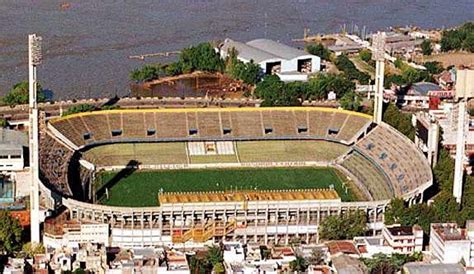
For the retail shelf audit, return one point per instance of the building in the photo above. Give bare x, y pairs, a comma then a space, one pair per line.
446, 79
464, 83
290, 64
403, 239
60, 232
12, 146
400, 44
424, 268
450, 244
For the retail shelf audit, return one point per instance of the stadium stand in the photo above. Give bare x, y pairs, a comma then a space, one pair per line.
209, 124
351, 127
406, 168
263, 123
374, 179
54, 163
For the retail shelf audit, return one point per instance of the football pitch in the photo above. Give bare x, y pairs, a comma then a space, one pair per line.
141, 188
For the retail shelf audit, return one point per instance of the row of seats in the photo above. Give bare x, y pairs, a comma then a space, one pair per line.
54, 162
218, 124
374, 180
406, 167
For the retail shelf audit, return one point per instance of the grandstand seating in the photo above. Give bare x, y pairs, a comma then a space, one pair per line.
387, 162
406, 168
129, 125
351, 127
209, 124
367, 173
54, 162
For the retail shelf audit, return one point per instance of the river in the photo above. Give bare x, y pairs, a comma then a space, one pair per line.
87, 42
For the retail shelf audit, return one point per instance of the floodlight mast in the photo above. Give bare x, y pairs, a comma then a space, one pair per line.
378, 46
34, 59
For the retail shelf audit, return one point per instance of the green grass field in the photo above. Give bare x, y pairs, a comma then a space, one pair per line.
141, 188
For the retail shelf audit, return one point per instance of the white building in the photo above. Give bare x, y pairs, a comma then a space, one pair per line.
290, 64
73, 234
403, 239
12, 143
450, 244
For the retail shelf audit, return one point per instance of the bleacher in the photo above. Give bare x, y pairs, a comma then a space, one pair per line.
367, 173
351, 127
211, 124
398, 157
54, 162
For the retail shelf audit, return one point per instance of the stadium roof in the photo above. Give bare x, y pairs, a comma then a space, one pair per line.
237, 196
260, 50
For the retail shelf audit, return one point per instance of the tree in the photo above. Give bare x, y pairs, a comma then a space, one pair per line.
459, 38
344, 64
317, 257
19, 94
214, 255
389, 264
273, 91
346, 226
426, 47
398, 63
201, 57
400, 121
319, 50
10, 233
31, 249
351, 101
218, 268
3, 122
411, 75
433, 67
468, 43
198, 264
147, 73
394, 79
78, 109
299, 264
322, 84
365, 55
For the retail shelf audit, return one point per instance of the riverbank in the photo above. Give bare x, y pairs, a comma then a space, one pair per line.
86, 46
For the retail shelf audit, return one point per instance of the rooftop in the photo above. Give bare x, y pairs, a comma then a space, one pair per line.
449, 232
401, 230
276, 48
13, 137
345, 247
423, 88
348, 265
424, 268
239, 196
262, 49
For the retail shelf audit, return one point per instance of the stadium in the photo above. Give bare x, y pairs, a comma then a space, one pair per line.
191, 175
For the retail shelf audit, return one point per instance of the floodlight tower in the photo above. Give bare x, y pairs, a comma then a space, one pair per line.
461, 132
34, 59
378, 46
